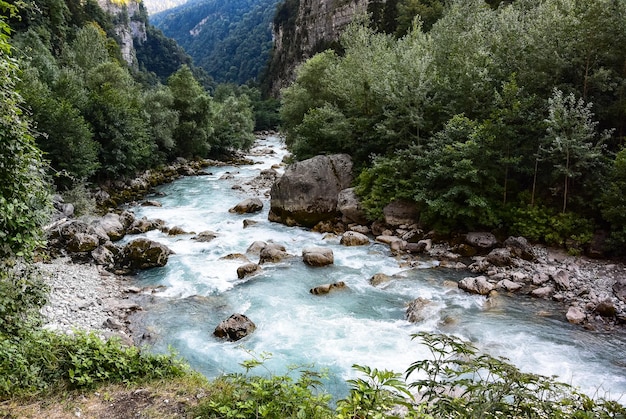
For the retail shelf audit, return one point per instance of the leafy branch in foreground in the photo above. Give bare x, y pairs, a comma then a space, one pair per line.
461, 383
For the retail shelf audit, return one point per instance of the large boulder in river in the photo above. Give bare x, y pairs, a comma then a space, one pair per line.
272, 253
235, 327
326, 288
144, 254
247, 206
318, 256
308, 191
476, 285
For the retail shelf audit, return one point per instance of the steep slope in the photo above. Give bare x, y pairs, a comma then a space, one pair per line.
231, 40
156, 6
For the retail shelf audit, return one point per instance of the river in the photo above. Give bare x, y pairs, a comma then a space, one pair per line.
363, 324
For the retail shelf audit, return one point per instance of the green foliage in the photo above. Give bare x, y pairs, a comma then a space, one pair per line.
245, 396
233, 124
541, 224
230, 40
22, 294
459, 382
24, 191
613, 201
45, 361
193, 105
375, 396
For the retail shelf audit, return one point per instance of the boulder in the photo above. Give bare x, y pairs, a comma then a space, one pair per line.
499, 257
508, 285
144, 254
205, 236
476, 285
318, 256
247, 269
256, 247
415, 311
143, 225
235, 327
247, 206
575, 315
465, 250
177, 231
352, 238
350, 207
82, 242
379, 278
619, 289
272, 253
103, 257
520, 248
112, 226
326, 288
247, 223
151, 204
401, 212
308, 191
606, 308
543, 292
481, 240
127, 218
561, 278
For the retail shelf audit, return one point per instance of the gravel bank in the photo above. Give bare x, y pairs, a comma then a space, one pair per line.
85, 297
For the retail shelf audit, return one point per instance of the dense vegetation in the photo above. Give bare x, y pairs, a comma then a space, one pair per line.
509, 118
231, 40
96, 117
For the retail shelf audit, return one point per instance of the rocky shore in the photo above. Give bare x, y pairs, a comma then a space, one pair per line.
85, 297
88, 290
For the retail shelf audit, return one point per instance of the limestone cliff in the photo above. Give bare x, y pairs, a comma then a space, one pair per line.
130, 25
305, 27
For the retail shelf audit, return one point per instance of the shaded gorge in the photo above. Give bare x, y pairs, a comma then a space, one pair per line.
362, 324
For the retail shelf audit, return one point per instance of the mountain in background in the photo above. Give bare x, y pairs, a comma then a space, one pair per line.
156, 6
230, 39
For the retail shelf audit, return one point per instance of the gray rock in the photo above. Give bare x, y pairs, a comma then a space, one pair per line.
499, 257
82, 242
236, 327
308, 191
543, 292
144, 254
481, 240
561, 278
606, 309
352, 238
272, 253
509, 285
619, 289
247, 206
415, 311
103, 257
576, 315
519, 247
143, 225
326, 288
317, 256
350, 207
205, 236
247, 270
401, 212
112, 226
476, 285
256, 247
379, 278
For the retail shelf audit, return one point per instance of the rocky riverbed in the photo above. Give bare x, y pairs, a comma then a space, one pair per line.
85, 297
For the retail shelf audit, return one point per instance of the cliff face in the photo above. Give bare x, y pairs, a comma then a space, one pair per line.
303, 28
130, 25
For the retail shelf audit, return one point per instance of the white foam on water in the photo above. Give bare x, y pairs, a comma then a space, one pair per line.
362, 324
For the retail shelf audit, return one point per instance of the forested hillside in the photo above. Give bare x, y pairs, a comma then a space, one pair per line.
95, 117
231, 39
507, 118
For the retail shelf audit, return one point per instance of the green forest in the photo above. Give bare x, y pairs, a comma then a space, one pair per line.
507, 118
230, 40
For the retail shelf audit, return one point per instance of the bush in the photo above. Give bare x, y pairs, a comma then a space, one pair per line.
244, 396
41, 360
